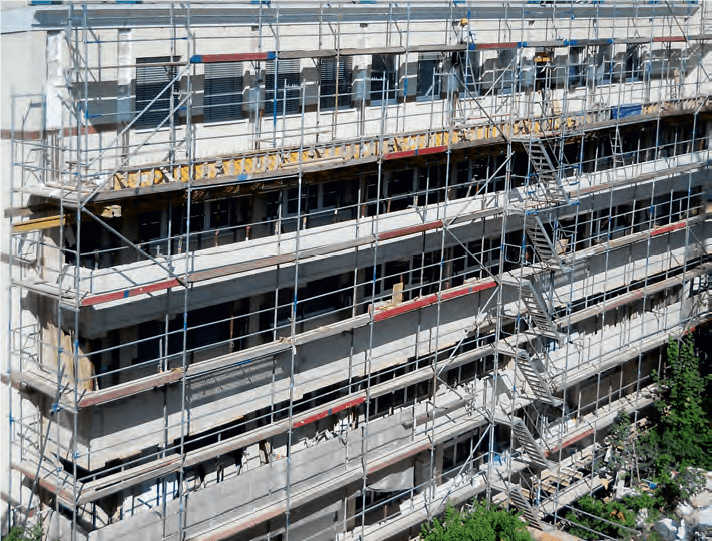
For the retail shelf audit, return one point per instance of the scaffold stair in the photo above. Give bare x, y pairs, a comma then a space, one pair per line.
548, 176
536, 454
525, 438
541, 241
535, 378
534, 372
537, 308
521, 502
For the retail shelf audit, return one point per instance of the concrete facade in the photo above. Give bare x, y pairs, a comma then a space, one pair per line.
283, 270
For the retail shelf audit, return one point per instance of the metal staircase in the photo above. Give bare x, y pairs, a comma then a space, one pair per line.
521, 502
538, 309
525, 438
536, 454
543, 244
549, 179
533, 372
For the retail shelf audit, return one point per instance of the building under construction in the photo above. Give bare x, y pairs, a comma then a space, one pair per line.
310, 270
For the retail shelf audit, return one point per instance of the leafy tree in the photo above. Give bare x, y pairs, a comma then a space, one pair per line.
613, 519
682, 437
684, 429
479, 524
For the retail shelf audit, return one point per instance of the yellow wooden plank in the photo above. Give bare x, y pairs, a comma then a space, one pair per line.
38, 224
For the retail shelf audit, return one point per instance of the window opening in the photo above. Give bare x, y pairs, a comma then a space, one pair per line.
222, 95
384, 78
286, 97
335, 75
428, 86
151, 83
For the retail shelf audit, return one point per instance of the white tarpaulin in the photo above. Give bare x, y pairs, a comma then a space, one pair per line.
392, 479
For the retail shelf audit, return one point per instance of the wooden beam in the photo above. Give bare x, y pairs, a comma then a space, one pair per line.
38, 224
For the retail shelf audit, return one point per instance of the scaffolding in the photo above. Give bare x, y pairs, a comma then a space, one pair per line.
287, 271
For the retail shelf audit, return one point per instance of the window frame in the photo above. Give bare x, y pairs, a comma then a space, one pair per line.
278, 100
149, 85
379, 76
222, 112
341, 70
434, 82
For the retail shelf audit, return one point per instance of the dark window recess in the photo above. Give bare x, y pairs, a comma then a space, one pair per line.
506, 59
400, 191
282, 91
208, 326
222, 97
604, 64
576, 67
428, 78
471, 75
384, 78
319, 297
153, 82
632, 63
335, 76
293, 205
331, 194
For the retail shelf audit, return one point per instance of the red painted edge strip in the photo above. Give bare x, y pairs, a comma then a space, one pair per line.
99, 397
452, 293
234, 57
415, 152
409, 230
401, 154
116, 295
658, 39
405, 307
505, 45
569, 442
432, 150
668, 228
397, 457
335, 409
459, 292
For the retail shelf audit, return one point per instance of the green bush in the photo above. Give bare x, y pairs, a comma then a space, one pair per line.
651, 502
25, 533
479, 524
614, 519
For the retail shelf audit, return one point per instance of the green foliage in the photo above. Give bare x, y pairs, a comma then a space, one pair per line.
652, 502
683, 432
682, 437
622, 443
480, 524
614, 518
25, 533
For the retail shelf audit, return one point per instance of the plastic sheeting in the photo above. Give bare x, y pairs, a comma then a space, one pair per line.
393, 479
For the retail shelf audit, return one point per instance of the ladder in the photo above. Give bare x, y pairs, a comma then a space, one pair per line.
617, 149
